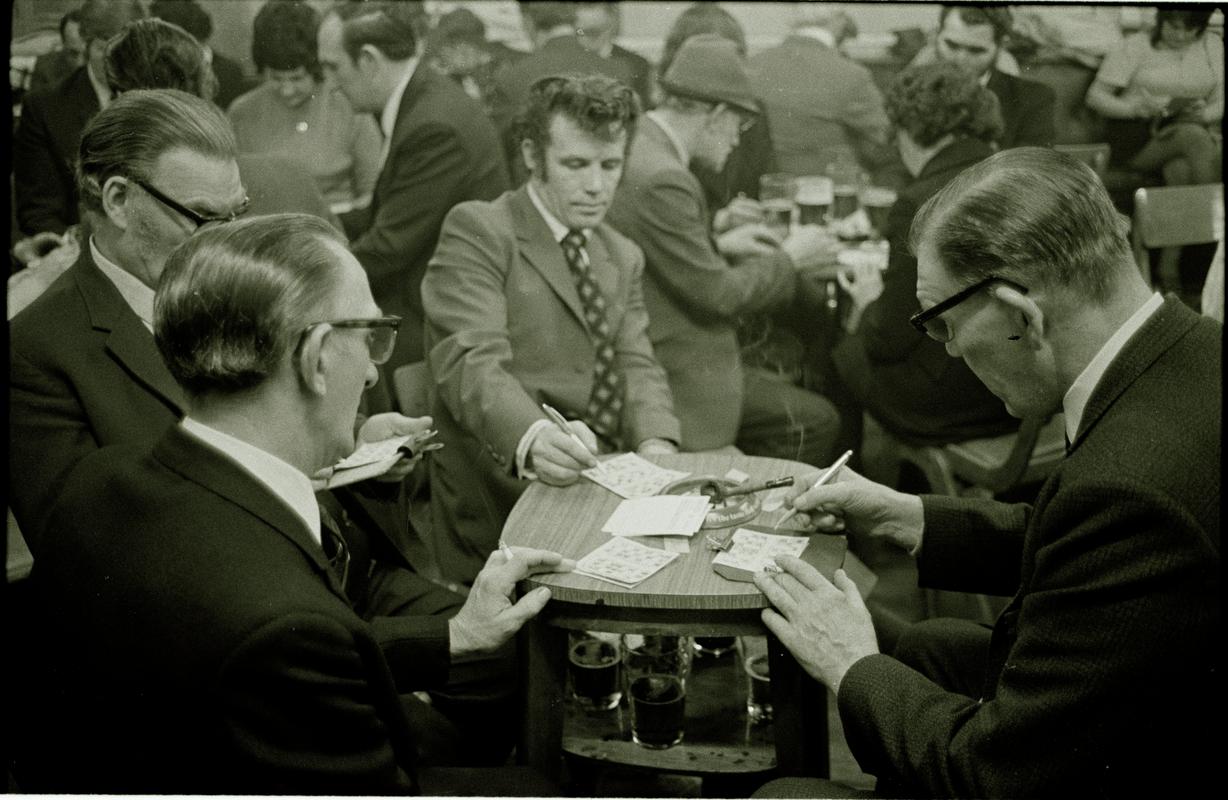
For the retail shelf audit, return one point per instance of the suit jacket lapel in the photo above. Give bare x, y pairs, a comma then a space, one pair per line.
211, 469
128, 340
1168, 324
538, 248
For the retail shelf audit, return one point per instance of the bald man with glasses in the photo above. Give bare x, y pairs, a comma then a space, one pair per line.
1106, 661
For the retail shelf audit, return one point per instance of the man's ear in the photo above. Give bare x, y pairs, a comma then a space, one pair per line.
1026, 317
528, 151
116, 195
369, 59
312, 360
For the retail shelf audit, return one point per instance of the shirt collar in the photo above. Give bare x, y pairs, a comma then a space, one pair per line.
101, 89
1075, 401
388, 119
672, 135
138, 296
814, 32
557, 229
289, 484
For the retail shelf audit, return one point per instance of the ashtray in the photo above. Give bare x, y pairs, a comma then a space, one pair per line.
724, 513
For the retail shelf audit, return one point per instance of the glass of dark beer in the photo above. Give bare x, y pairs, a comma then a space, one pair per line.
593, 666
655, 674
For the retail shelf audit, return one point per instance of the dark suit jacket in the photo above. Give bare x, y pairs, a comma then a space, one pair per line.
51, 69
902, 377
506, 332
231, 82
1027, 111
694, 297
444, 151
199, 642
1106, 663
638, 70
45, 150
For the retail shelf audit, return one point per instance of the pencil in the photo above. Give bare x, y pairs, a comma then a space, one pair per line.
824, 478
561, 423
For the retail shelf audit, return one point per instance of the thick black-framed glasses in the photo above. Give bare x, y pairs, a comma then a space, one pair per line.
930, 321
199, 220
381, 334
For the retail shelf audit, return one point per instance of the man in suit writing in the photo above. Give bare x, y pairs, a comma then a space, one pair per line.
532, 299
202, 633
1025, 272
440, 149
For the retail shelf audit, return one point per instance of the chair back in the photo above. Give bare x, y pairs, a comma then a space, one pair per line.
1094, 155
1174, 216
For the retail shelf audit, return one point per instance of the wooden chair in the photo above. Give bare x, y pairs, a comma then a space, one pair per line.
1174, 216
1095, 155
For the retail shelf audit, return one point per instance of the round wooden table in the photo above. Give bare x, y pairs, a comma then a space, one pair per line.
685, 597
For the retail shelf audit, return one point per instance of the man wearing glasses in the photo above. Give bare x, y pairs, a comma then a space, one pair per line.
699, 281
201, 631
1106, 660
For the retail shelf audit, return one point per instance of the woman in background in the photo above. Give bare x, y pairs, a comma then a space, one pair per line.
293, 114
1163, 95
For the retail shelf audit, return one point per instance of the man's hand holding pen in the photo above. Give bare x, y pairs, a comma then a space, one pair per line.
562, 450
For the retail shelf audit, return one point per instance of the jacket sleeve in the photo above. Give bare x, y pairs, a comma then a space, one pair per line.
1110, 619
466, 315
672, 230
43, 198
649, 405
1036, 124
972, 546
296, 699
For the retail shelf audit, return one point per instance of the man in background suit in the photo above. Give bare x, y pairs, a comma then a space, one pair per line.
203, 636
441, 149
972, 37
55, 67
698, 283
598, 26
812, 119
45, 144
557, 50
1025, 271
531, 299
188, 14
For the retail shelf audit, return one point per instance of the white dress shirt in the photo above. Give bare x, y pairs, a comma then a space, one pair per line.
1075, 401
138, 296
286, 482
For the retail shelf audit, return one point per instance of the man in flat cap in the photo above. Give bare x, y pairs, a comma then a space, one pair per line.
697, 285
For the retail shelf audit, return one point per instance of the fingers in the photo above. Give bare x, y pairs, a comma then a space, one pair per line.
587, 437
845, 584
768, 583
805, 575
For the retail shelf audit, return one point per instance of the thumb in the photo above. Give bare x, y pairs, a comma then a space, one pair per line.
845, 584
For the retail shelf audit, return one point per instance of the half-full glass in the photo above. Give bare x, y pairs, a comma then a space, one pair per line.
656, 670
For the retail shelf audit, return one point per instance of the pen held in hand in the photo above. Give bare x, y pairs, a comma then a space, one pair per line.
561, 423
824, 478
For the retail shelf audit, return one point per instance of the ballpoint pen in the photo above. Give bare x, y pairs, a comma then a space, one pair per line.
561, 423
824, 478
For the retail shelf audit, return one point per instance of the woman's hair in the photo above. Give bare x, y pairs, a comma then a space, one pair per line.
696, 19
930, 101
1195, 18
284, 37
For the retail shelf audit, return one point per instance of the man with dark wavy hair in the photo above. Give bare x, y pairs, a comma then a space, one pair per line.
532, 299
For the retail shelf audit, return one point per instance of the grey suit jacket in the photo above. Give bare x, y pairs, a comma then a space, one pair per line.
816, 100
1107, 660
505, 332
694, 296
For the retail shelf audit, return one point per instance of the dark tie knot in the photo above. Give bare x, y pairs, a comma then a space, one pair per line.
574, 239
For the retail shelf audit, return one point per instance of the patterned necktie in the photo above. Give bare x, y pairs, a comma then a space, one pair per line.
335, 550
605, 403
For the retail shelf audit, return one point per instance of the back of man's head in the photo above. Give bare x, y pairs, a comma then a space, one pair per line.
155, 54
234, 299
997, 17
1031, 215
597, 104
73, 15
102, 19
127, 137
393, 28
187, 14
546, 16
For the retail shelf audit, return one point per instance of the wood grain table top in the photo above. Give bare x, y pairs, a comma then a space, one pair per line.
568, 520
